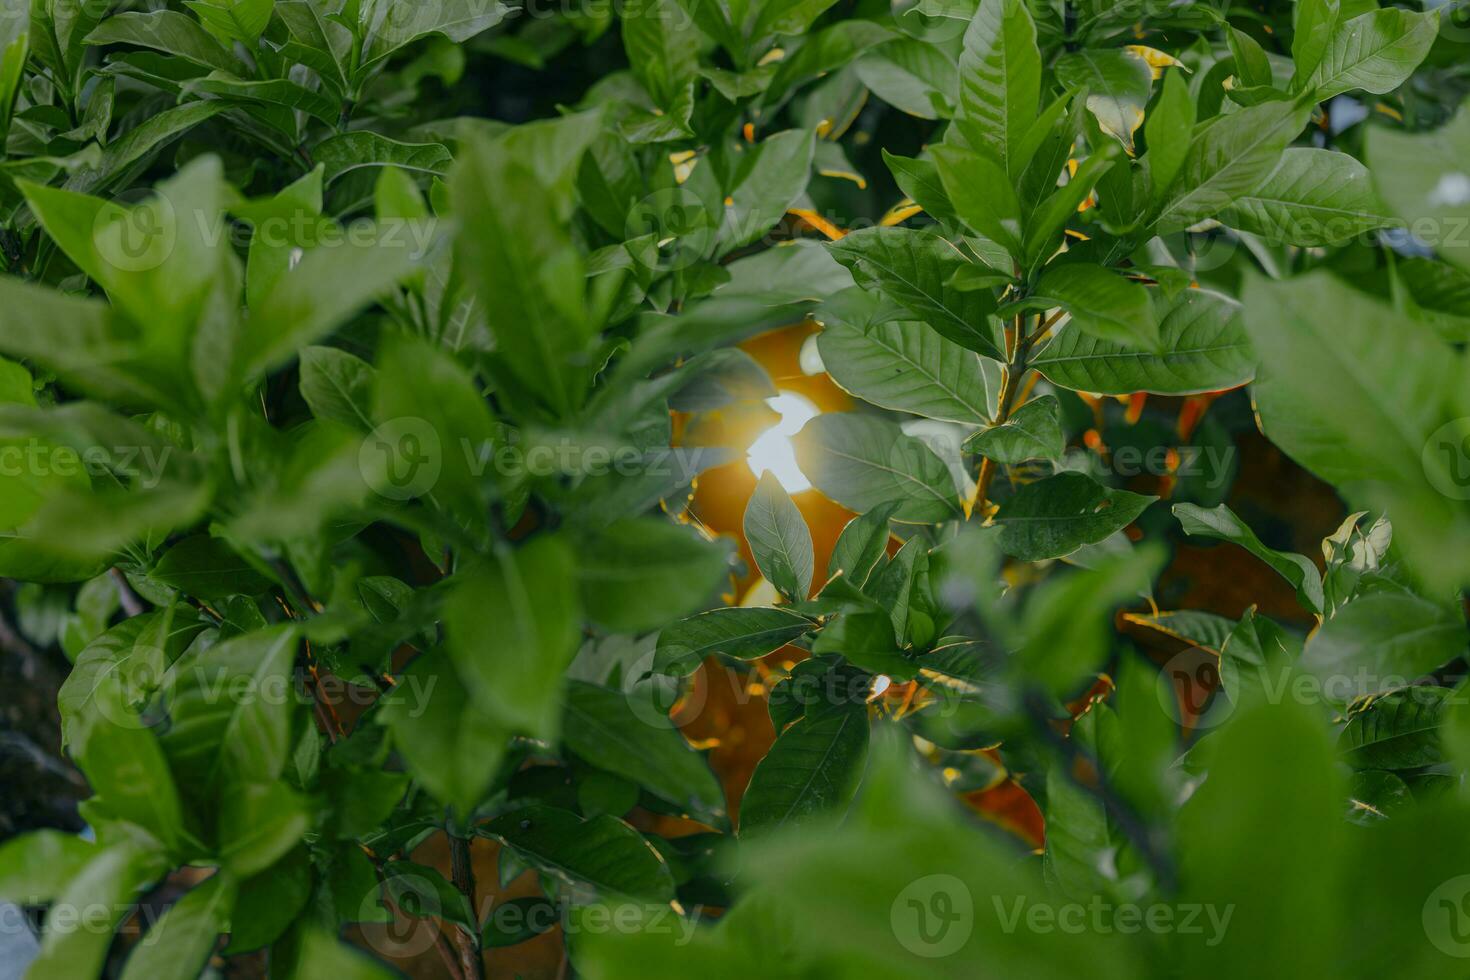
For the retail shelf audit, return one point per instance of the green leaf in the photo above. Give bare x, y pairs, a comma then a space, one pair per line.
515, 670
866, 639
914, 269
639, 574
1314, 198
1375, 52
1000, 82
602, 728
1118, 82
259, 823
329, 285
1034, 431
519, 254
1322, 394
1252, 66
1103, 304
125, 765
386, 27
1256, 659
1168, 132
604, 852
981, 194
811, 772
745, 633
662, 45
862, 544
779, 538
1221, 523
75, 946
186, 934
908, 367
347, 152
1204, 344
1421, 178
208, 568
1229, 158
338, 386
772, 176
435, 432
1382, 641
1397, 731
451, 745
234, 20
863, 462
231, 709
167, 31
38, 865
320, 954
1054, 517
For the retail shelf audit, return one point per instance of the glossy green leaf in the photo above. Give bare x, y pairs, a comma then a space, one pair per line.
1054, 517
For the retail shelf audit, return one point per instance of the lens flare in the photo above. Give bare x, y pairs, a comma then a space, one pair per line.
774, 451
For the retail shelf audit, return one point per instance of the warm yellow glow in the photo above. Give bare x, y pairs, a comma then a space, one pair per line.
773, 450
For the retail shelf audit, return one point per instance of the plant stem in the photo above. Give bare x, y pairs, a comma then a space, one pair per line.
1010, 387
463, 873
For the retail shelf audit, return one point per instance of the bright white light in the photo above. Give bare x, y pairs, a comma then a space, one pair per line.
773, 450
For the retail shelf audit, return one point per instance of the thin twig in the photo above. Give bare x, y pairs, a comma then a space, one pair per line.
463, 873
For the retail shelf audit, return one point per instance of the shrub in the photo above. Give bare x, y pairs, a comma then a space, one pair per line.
379, 467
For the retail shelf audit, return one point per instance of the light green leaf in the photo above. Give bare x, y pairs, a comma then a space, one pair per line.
186, 934
1000, 82
908, 367
1229, 158
779, 538
1204, 343
451, 745
515, 670
1382, 641
1168, 130
1313, 198
1423, 178
1375, 52
863, 462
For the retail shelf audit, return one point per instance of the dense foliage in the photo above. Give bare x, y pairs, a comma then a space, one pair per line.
371, 369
